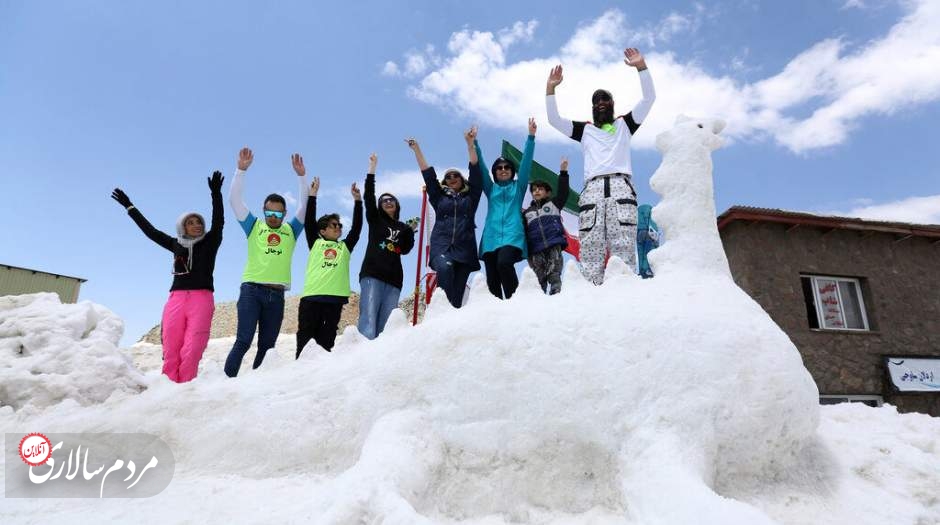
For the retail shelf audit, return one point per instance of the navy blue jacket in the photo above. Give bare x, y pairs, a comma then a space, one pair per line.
454, 232
543, 228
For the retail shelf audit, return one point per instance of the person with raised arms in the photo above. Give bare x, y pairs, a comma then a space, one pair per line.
607, 206
503, 243
453, 246
381, 275
267, 274
187, 315
326, 283
545, 231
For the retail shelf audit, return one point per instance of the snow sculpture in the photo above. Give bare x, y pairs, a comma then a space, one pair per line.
640, 401
686, 212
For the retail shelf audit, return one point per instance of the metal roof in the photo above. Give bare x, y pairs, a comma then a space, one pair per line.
40, 271
796, 218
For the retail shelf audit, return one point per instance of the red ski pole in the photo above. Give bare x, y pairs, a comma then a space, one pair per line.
424, 206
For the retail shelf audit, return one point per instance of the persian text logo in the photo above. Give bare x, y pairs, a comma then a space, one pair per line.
124, 465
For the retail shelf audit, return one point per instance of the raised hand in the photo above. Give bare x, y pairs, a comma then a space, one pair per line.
314, 187
555, 76
564, 164
470, 135
413, 144
633, 58
245, 158
413, 223
373, 162
532, 126
215, 182
121, 198
356, 194
298, 163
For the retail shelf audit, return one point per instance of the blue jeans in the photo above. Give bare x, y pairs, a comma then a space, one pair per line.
259, 307
452, 277
377, 299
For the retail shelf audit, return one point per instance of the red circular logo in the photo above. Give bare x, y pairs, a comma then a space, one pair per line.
274, 239
329, 254
35, 449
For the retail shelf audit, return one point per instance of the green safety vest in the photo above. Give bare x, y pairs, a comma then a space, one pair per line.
269, 254
327, 269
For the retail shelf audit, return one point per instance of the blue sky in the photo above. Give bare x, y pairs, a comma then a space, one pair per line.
831, 108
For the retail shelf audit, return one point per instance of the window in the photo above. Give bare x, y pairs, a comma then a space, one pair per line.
872, 401
834, 303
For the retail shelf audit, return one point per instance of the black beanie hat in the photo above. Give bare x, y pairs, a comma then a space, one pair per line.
512, 167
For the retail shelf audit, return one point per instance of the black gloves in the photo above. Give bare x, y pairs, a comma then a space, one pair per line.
121, 198
215, 182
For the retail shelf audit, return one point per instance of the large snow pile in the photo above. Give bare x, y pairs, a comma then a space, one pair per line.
673, 400
51, 351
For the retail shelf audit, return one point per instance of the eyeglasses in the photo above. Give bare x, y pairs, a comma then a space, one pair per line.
452, 175
272, 213
386, 200
502, 167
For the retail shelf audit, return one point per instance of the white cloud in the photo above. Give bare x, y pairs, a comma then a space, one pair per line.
917, 210
519, 32
289, 199
391, 69
854, 4
415, 64
818, 98
402, 184
671, 25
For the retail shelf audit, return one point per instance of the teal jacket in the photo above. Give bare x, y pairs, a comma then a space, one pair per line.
504, 223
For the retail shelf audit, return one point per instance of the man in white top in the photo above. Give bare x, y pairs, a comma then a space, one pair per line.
608, 202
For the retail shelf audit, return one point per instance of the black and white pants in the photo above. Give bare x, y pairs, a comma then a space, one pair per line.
547, 267
607, 223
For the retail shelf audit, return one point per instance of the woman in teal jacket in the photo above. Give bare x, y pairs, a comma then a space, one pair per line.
503, 241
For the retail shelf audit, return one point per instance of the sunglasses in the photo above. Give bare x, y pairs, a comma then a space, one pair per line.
272, 213
335, 225
386, 200
502, 167
601, 98
452, 175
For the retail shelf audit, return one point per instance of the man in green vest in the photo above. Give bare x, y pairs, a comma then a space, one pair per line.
326, 284
267, 272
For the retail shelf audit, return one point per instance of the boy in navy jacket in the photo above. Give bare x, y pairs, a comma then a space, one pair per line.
544, 231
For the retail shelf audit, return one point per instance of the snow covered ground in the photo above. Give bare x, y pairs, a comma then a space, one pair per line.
518, 419
662, 401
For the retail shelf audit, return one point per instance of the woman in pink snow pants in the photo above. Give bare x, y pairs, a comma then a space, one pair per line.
187, 315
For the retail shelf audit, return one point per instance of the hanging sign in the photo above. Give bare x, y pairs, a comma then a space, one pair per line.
914, 374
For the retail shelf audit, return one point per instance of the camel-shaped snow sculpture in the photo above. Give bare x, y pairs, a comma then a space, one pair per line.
653, 401
686, 213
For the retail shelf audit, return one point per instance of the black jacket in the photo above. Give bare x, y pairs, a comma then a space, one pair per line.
199, 276
389, 239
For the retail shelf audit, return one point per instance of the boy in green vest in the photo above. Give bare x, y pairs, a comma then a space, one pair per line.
326, 284
267, 274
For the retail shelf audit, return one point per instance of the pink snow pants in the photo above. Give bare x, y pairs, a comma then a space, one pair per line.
187, 317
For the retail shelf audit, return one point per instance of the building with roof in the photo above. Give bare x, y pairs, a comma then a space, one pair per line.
17, 281
860, 299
